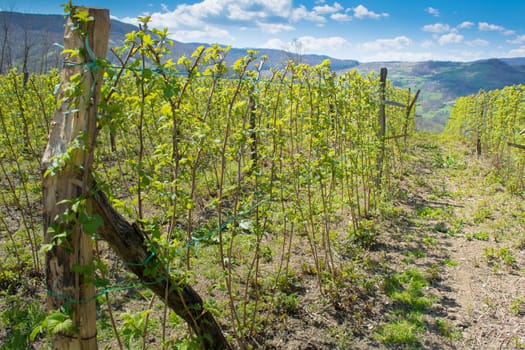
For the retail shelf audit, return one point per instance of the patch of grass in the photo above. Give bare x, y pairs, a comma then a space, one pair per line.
430, 241
430, 212
433, 273
498, 257
482, 214
287, 303
365, 236
447, 330
441, 227
449, 262
399, 332
517, 306
407, 290
458, 228
415, 254
480, 236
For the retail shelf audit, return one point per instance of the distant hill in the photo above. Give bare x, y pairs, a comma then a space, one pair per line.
440, 82
41, 32
42, 36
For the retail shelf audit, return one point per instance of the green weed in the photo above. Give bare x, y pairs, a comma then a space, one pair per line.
480, 236
498, 257
406, 289
430, 212
365, 235
517, 306
449, 262
482, 214
19, 318
399, 332
447, 330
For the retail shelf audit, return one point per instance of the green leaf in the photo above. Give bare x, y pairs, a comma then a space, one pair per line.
90, 223
37, 330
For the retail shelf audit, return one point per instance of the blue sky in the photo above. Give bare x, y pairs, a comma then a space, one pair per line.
366, 30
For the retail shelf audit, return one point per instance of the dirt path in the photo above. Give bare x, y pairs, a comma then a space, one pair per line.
447, 270
474, 251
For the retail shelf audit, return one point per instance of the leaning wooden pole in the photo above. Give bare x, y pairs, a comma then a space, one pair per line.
132, 246
66, 168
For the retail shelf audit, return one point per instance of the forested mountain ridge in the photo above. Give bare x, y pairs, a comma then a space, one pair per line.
41, 36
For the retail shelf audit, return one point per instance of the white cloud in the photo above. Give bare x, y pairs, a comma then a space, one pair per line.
274, 28
434, 12
342, 17
301, 13
478, 42
466, 25
275, 43
485, 27
427, 44
518, 40
327, 9
218, 11
519, 52
362, 12
237, 13
488, 27
450, 38
312, 44
436, 28
208, 33
309, 44
396, 43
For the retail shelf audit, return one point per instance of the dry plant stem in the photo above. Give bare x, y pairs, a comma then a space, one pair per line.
11, 234
175, 105
140, 130
27, 218
45, 119
108, 302
228, 268
146, 323
22, 115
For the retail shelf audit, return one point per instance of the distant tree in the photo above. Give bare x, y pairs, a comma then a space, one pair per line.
28, 44
5, 49
45, 50
295, 50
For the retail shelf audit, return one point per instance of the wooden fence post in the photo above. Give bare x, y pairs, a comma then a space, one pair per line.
382, 124
66, 166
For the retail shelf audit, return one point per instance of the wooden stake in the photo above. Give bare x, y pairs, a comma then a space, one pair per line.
66, 166
382, 125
